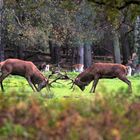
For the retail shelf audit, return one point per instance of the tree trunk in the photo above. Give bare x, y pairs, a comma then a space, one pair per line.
57, 54
116, 45
125, 49
2, 35
54, 53
137, 39
74, 55
80, 54
87, 55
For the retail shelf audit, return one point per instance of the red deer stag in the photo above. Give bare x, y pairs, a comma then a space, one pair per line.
101, 70
25, 69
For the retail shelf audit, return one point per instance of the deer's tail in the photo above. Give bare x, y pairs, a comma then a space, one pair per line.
128, 70
1, 64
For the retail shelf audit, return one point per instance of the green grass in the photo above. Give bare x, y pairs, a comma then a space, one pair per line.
109, 113
107, 86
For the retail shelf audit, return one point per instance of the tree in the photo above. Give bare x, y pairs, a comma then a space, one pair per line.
80, 54
118, 13
2, 29
71, 23
116, 45
87, 55
26, 24
126, 44
137, 39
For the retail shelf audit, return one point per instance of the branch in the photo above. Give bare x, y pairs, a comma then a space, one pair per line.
98, 2
17, 19
129, 32
126, 4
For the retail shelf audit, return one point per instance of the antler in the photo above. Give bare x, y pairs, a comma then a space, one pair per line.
67, 77
62, 77
50, 84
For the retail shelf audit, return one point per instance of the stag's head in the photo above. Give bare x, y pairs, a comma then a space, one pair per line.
77, 81
43, 84
80, 83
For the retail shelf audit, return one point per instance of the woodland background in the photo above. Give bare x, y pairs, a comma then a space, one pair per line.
70, 31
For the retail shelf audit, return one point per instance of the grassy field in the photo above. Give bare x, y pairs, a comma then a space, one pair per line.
107, 86
111, 113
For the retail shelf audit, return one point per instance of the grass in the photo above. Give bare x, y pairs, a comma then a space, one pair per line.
107, 86
110, 113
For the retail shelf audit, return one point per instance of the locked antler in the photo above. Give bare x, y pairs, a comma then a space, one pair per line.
61, 76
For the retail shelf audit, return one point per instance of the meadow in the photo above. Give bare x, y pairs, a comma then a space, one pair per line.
111, 113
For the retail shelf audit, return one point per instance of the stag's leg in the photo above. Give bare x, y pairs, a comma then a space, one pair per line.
30, 83
2, 86
2, 77
36, 87
124, 79
95, 82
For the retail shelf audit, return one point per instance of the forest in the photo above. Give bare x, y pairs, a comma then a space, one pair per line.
72, 32
66, 34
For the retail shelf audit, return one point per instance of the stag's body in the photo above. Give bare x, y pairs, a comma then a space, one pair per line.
101, 70
25, 69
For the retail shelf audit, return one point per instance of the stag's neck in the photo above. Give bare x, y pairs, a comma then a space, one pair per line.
38, 77
86, 76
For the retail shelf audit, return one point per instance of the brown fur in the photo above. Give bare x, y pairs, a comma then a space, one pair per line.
25, 69
101, 70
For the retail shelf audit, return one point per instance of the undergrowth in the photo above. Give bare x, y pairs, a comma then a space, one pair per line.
111, 113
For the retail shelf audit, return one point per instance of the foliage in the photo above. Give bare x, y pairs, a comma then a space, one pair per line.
110, 113
33, 24
118, 9
62, 22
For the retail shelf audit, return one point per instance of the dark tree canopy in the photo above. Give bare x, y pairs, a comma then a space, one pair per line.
34, 25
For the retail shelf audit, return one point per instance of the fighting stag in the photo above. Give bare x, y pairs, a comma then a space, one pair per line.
25, 69
101, 70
